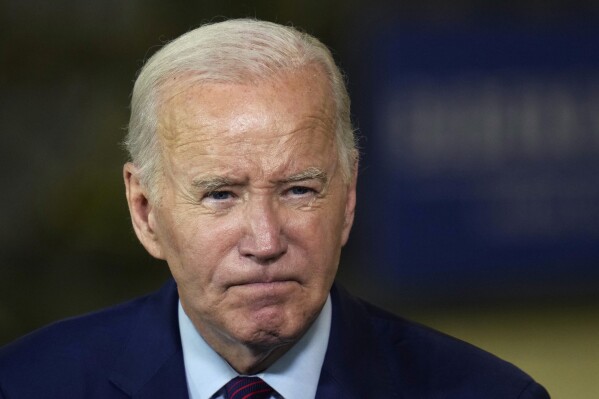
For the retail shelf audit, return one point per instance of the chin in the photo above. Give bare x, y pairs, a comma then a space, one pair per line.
267, 340
272, 328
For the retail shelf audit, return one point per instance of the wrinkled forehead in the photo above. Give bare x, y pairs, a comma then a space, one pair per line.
299, 99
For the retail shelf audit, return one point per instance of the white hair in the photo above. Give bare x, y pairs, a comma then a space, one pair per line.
233, 51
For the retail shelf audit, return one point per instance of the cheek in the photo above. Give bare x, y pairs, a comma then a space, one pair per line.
318, 235
195, 246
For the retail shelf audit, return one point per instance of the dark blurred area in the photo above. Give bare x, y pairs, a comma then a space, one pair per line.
479, 126
481, 152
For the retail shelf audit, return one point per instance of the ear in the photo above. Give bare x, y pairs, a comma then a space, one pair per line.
350, 205
142, 211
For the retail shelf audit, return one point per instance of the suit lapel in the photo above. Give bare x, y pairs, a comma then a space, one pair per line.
151, 363
355, 364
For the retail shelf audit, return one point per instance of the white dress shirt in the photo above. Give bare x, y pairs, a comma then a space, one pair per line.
294, 376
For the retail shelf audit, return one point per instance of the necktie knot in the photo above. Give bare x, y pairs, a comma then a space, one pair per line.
248, 388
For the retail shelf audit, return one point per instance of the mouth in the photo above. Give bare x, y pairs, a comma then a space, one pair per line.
267, 284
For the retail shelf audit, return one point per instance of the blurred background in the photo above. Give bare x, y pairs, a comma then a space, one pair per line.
478, 207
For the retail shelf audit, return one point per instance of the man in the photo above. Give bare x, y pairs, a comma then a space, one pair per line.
243, 178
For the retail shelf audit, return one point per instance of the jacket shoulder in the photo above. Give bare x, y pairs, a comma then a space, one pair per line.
73, 355
428, 363
71, 338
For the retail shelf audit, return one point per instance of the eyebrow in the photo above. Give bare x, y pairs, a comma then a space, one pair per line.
214, 183
308, 174
211, 183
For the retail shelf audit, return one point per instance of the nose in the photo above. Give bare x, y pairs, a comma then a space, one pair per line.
263, 240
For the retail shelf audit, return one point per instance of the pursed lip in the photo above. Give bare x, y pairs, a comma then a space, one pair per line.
266, 281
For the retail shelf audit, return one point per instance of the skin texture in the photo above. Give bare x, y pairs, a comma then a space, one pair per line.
253, 210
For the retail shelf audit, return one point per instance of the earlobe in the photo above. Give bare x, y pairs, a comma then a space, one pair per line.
141, 211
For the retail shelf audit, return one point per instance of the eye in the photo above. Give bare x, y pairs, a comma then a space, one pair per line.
219, 195
300, 190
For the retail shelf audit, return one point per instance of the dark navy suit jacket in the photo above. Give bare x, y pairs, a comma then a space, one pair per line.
134, 350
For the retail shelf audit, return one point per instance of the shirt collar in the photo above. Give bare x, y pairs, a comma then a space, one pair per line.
295, 375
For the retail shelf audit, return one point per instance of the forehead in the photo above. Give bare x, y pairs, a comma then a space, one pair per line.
293, 113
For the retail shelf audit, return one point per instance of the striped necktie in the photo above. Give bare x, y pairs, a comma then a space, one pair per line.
248, 388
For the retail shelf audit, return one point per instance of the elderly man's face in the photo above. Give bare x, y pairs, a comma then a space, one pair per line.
253, 210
